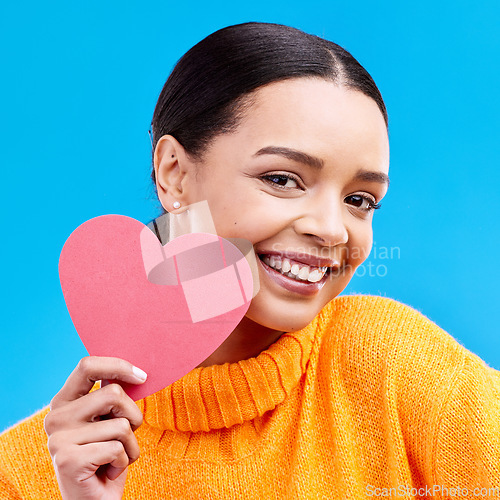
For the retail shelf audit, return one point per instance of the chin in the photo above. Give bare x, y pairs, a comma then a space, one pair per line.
281, 318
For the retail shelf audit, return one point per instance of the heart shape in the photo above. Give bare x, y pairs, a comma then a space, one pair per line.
199, 289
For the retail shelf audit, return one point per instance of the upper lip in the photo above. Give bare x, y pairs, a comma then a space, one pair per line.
304, 258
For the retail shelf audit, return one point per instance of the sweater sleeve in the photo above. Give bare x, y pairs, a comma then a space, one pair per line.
467, 443
25, 465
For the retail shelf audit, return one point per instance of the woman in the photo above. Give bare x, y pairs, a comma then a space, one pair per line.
285, 135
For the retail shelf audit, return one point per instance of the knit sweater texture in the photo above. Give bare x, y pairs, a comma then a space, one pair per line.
370, 400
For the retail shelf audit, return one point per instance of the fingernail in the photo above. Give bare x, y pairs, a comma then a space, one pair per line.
141, 375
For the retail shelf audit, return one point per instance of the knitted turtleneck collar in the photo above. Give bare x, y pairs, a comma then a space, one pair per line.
218, 396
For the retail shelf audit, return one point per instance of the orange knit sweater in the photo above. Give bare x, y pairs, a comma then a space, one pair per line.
370, 400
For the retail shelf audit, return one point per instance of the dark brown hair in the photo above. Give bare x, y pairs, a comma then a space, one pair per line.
210, 87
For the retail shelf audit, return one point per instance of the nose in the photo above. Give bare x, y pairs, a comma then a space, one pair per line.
324, 221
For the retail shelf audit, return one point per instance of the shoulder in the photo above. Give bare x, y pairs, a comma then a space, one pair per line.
390, 347
376, 326
388, 364
21, 437
25, 462
371, 312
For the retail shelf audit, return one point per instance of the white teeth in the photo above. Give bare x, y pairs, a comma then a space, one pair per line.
304, 273
285, 266
315, 275
295, 271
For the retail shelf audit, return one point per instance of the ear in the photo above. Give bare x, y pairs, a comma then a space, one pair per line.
173, 169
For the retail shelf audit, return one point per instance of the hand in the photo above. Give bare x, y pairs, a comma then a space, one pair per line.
91, 438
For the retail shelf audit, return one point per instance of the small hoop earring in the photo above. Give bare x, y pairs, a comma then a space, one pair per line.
176, 204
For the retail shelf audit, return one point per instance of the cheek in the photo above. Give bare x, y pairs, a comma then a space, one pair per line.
249, 218
250, 229
361, 241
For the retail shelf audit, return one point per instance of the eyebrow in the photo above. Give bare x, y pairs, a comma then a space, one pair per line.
318, 163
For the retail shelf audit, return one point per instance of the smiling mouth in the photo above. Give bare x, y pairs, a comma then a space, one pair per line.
294, 270
292, 282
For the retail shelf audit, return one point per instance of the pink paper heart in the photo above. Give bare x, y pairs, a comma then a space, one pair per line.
166, 329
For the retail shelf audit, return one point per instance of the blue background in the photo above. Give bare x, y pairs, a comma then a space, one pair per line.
78, 88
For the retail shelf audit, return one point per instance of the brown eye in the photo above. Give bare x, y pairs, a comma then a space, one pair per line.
365, 203
280, 180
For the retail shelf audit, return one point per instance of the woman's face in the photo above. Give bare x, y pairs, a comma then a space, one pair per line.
298, 179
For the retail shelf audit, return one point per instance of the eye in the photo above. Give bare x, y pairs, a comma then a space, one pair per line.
363, 202
281, 181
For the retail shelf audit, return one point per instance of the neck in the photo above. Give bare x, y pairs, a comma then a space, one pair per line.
247, 340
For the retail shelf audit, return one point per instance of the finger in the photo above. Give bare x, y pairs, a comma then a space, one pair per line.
111, 401
113, 472
107, 430
82, 462
117, 429
110, 452
91, 369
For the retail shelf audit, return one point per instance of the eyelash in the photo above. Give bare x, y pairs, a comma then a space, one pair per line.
267, 178
372, 205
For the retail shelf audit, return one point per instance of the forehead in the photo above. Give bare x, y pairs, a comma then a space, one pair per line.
318, 116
